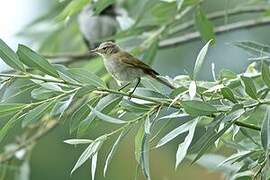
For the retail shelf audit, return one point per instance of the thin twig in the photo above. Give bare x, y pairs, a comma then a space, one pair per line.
69, 56
221, 14
170, 42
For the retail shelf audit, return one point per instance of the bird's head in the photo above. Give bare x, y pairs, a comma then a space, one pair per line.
106, 49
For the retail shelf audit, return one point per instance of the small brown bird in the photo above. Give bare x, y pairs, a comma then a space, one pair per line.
124, 67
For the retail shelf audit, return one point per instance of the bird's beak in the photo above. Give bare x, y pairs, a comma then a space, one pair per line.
94, 51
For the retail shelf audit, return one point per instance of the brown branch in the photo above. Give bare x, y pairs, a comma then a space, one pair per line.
170, 42
220, 14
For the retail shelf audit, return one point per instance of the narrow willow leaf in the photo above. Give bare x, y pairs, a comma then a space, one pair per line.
192, 89
210, 141
150, 54
211, 130
147, 125
138, 143
183, 147
254, 48
204, 26
10, 57
113, 150
200, 59
234, 157
37, 113
250, 88
79, 115
265, 132
89, 152
145, 157
198, 108
101, 5
9, 125
180, 3
142, 151
34, 60
94, 165
266, 74
72, 8
6, 108
105, 106
86, 77
174, 133
107, 118
228, 94
42, 93
78, 141
84, 91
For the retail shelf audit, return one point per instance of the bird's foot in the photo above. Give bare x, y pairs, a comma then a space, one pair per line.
130, 95
123, 87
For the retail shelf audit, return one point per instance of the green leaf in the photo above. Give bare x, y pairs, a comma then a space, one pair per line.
6, 108
151, 52
100, 5
78, 141
34, 60
174, 133
84, 91
250, 88
266, 74
105, 105
265, 132
183, 147
200, 59
94, 165
213, 136
79, 115
198, 108
142, 151
86, 77
89, 152
254, 48
72, 8
228, 94
10, 57
107, 118
227, 74
180, 3
9, 125
204, 26
113, 150
37, 113
42, 93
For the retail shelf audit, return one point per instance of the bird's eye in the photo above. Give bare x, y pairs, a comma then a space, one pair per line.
104, 48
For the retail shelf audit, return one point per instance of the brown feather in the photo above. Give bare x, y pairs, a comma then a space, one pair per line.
127, 58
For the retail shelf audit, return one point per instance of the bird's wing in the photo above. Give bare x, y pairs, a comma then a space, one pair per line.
136, 63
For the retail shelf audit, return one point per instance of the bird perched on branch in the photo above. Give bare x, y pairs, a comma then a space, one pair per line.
94, 28
124, 67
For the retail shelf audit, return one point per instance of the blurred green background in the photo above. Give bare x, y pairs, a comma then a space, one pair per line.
52, 159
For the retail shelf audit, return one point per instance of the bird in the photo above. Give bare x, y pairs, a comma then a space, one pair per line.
124, 67
96, 27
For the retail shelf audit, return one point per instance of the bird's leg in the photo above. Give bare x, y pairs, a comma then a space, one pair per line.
123, 87
137, 84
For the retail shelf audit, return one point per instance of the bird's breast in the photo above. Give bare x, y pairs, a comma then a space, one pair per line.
121, 71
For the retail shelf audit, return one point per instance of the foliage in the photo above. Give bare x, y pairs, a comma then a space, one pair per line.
231, 110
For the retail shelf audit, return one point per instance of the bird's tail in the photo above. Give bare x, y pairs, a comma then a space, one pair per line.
163, 81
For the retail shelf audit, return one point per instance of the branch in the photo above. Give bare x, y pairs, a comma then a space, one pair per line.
220, 14
170, 42
70, 56
249, 126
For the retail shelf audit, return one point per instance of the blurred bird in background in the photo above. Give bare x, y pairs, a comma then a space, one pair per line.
95, 28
